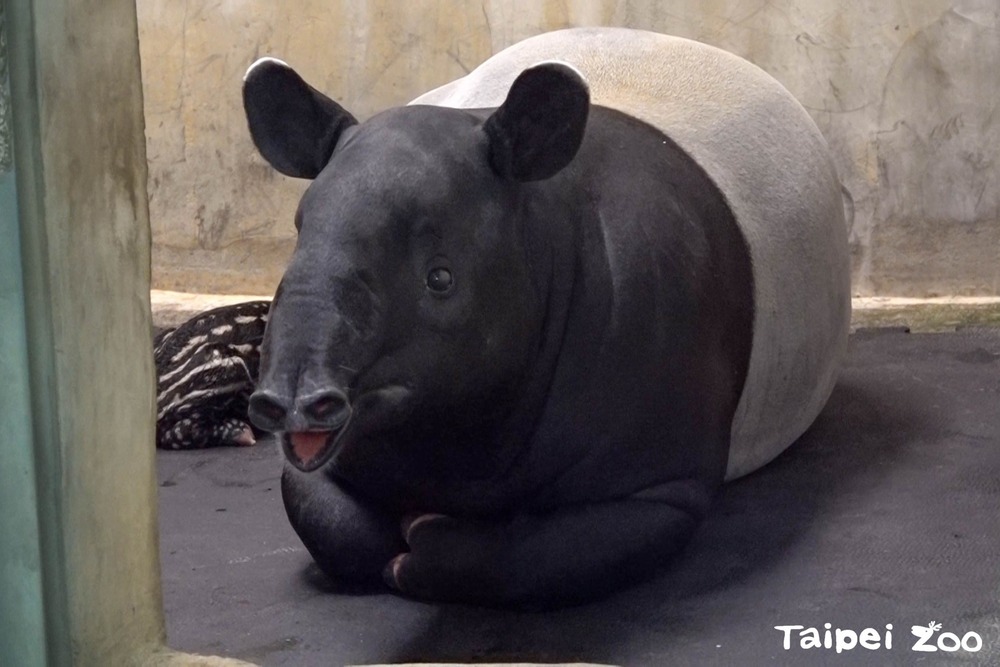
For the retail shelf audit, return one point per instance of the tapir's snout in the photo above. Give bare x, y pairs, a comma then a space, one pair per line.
324, 410
311, 424
320, 326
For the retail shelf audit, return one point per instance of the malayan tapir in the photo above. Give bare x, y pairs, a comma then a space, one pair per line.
536, 317
206, 369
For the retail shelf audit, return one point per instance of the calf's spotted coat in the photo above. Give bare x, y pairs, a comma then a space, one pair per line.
206, 369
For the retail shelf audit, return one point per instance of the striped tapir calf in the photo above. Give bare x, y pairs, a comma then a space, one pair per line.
534, 319
206, 369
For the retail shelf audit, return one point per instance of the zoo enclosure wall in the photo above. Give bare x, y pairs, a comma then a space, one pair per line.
905, 91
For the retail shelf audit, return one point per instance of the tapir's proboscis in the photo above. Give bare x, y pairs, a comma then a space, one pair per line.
534, 319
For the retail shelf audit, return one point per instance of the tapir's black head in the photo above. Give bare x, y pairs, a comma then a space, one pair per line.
410, 311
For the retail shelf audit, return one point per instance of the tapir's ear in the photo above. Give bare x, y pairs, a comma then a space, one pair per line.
539, 127
294, 126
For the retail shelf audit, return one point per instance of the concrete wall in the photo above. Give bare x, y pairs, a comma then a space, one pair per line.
906, 91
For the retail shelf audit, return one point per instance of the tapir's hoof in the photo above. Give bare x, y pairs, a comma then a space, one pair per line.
392, 572
244, 437
399, 574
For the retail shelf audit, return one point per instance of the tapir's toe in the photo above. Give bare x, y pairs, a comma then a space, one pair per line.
413, 527
236, 432
412, 522
391, 573
451, 559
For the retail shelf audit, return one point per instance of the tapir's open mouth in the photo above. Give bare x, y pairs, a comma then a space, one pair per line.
381, 408
308, 450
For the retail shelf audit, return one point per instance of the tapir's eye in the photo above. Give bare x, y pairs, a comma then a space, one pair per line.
439, 280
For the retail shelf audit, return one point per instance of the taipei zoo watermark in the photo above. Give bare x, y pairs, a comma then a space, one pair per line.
921, 638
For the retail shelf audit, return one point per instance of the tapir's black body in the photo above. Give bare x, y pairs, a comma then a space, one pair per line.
555, 421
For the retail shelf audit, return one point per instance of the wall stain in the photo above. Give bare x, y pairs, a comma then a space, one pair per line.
938, 190
6, 142
212, 230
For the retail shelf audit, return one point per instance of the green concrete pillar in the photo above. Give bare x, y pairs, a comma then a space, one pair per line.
22, 634
79, 562
79, 522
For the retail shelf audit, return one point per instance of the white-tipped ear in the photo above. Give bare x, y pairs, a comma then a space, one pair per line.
562, 64
261, 61
294, 126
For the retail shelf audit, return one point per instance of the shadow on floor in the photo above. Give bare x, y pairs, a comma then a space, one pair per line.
755, 523
884, 513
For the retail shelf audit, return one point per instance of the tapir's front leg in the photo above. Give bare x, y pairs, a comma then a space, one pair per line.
350, 540
543, 560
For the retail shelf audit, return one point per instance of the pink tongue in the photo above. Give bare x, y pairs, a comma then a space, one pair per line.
308, 444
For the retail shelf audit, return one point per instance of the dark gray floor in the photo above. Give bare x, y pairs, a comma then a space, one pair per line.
886, 511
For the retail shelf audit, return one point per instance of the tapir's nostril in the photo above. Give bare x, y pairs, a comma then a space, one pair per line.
267, 412
327, 409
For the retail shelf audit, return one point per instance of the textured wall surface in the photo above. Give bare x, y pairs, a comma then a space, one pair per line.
84, 248
905, 91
